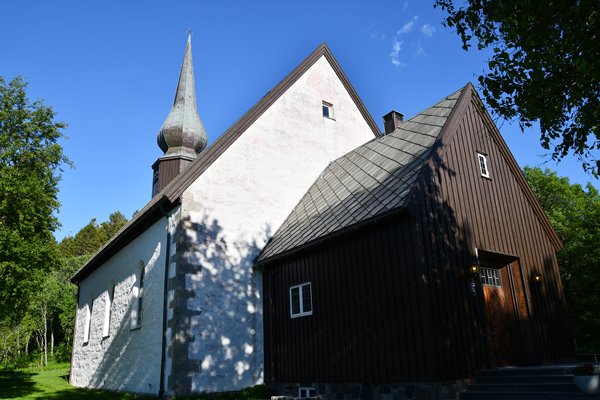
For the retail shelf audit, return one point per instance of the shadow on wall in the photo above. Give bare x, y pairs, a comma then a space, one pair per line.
539, 335
549, 314
124, 361
215, 319
217, 311
460, 334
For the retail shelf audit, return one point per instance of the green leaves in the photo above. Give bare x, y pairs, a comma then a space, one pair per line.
36, 297
30, 162
91, 237
574, 213
545, 67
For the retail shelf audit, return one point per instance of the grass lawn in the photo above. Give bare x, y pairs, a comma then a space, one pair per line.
52, 383
49, 383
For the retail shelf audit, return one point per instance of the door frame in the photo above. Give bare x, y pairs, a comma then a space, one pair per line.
520, 342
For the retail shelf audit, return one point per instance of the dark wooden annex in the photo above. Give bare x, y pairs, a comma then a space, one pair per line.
385, 237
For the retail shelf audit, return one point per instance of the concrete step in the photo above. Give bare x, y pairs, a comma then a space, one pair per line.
526, 396
528, 371
525, 387
523, 379
526, 383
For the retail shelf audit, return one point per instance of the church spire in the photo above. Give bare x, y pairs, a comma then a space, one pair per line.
182, 132
182, 136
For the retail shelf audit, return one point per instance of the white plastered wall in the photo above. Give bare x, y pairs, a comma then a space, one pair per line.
239, 202
128, 359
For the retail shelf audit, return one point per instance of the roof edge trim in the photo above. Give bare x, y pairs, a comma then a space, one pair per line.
400, 211
152, 213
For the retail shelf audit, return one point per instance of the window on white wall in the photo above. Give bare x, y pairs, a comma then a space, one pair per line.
327, 110
87, 323
301, 300
108, 310
483, 165
137, 296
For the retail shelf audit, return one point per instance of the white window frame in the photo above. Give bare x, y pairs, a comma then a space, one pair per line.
490, 277
137, 295
327, 105
483, 165
302, 313
306, 392
87, 325
110, 294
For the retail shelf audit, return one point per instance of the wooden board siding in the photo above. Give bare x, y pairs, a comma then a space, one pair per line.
391, 301
501, 219
363, 327
165, 170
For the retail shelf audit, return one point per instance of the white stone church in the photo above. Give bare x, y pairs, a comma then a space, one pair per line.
172, 304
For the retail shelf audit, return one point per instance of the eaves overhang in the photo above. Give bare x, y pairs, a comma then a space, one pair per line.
157, 208
402, 213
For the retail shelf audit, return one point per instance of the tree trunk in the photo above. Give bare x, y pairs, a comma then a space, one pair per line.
45, 339
18, 329
51, 342
38, 339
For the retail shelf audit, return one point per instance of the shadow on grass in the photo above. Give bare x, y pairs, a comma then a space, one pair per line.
87, 394
14, 384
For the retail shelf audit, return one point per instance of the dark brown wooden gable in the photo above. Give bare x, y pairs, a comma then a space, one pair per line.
457, 208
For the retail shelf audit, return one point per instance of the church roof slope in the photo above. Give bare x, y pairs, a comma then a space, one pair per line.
369, 181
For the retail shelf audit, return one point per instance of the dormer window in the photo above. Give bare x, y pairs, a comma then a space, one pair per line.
483, 166
327, 110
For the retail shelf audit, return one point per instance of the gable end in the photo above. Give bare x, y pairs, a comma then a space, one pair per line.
205, 159
516, 171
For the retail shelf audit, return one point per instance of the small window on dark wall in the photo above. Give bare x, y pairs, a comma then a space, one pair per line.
327, 110
306, 392
483, 166
300, 300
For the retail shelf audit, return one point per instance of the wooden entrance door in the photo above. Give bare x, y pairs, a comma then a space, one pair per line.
499, 310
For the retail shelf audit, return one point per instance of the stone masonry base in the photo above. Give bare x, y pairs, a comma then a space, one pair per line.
358, 391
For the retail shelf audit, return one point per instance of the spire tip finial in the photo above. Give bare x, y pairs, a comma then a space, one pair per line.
189, 36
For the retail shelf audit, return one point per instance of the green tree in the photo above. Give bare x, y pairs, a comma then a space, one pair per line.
545, 67
92, 236
574, 213
115, 222
30, 165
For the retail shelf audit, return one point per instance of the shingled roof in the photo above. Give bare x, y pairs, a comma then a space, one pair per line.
365, 183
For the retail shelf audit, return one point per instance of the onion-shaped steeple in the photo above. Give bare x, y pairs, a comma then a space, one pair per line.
182, 136
183, 133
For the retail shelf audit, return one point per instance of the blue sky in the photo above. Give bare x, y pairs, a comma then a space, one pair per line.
110, 68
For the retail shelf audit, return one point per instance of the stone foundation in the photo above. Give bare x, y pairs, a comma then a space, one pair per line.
358, 391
